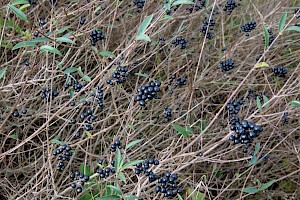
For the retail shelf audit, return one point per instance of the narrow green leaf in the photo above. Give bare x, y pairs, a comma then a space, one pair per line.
86, 78
18, 12
144, 25
116, 189
189, 129
131, 163
257, 148
180, 2
293, 28
70, 70
118, 160
67, 34
295, 104
195, 195
143, 75
55, 22
251, 190
143, 37
71, 93
89, 134
18, 2
179, 197
14, 136
63, 29
252, 161
181, 130
166, 17
258, 104
23, 7
266, 185
261, 64
131, 144
282, 22
109, 197
267, 36
106, 53
266, 101
40, 39
2, 72
24, 44
131, 197
51, 49
121, 176
66, 40
56, 141
98, 8
80, 72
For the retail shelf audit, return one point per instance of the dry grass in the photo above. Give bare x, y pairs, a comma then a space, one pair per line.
27, 166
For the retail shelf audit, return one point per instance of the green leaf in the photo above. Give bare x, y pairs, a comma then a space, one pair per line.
51, 49
266, 101
70, 70
18, 12
121, 176
14, 136
181, 130
261, 64
195, 195
266, 185
131, 144
166, 17
143, 37
119, 160
180, 2
251, 190
116, 189
167, 6
89, 134
179, 197
293, 28
106, 53
63, 29
189, 129
109, 197
98, 8
86, 78
40, 39
131, 163
24, 44
23, 7
2, 72
56, 141
131, 197
80, 72
282, 22
18, 2
295, 104
252, 161
71, 93
267, 36
66, 40
257, 148
258, 104
143, 75
144, 25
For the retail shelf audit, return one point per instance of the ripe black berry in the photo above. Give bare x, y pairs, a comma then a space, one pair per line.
95, 36
226, 65
280, 71
249, 26
181, 41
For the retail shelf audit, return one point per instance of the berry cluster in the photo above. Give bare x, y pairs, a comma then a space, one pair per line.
144, 168
105, 171
80, 180
95, 36
100, 97
285, 119
230, 6
280, 71
120, 75
226, 65
234, 106
113, 146
87, 117
245, 131
249, 26
46, 92
197, 6
17, 114
64, 153
77, 86
179, 82
168, 185
139, 4
147, 91
209, 26
181, 41
168, 113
